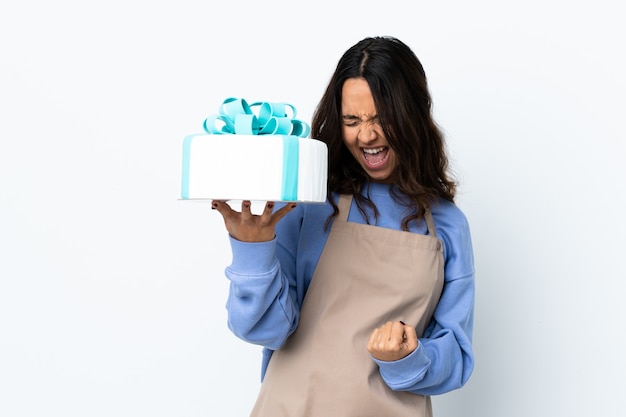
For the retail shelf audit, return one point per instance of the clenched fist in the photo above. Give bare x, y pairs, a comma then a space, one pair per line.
392, 341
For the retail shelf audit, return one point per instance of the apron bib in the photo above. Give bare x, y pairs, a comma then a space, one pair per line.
366, 276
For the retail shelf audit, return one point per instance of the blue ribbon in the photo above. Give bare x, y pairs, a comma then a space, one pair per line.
184, 189
291, 153
236, 116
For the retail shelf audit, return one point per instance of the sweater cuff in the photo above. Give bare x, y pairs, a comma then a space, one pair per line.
252, 257
409, 369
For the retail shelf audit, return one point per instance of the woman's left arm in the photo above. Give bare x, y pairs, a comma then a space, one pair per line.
444, 358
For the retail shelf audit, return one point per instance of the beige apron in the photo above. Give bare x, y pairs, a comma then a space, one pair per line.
366, 276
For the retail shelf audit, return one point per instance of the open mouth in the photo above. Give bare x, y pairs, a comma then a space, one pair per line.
375, 157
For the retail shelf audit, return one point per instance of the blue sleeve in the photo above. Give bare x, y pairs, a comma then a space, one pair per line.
444, 359
262, 305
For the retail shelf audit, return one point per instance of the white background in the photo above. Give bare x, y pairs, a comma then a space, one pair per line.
112, 291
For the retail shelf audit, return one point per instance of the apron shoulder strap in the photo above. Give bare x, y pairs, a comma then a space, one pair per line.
345, 201
430, 223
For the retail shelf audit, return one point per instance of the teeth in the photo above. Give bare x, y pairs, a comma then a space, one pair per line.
374, 150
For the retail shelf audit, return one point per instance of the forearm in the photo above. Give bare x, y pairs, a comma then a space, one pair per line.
260, 306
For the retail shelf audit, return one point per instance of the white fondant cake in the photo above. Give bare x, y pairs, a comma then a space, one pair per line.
254, 167
260, 155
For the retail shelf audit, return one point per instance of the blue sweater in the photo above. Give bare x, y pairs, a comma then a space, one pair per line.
268, 281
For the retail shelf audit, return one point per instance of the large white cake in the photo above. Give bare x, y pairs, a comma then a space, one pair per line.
278, 165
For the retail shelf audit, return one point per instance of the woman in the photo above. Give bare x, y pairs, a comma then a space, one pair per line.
364, 305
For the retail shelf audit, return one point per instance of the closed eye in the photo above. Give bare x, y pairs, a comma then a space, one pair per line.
352, 121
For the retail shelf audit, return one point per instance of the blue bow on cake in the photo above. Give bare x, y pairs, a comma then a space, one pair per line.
236, 116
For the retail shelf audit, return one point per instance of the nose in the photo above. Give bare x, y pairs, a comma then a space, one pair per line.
367, 132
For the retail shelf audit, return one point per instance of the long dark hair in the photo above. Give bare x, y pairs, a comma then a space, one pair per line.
404, 107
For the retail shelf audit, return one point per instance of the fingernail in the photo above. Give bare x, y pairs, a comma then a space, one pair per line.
403, 323
293, 205
246, 205
270, 205
213, 206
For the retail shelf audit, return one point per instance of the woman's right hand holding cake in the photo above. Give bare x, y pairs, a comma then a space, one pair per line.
247, 227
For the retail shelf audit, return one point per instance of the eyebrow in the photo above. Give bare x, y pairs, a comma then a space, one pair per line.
353, 117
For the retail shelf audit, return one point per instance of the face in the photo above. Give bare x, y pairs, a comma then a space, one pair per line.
362, 133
